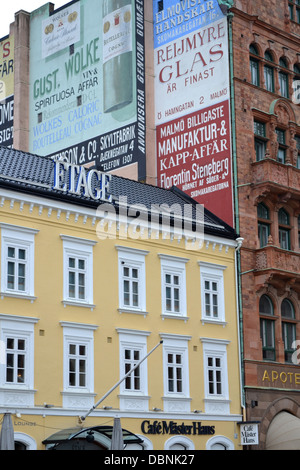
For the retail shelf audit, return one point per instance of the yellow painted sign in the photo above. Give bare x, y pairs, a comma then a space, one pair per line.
291, 378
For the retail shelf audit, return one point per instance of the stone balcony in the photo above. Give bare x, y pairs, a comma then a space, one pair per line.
278, 267
277, 178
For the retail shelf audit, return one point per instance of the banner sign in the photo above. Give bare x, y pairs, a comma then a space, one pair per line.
87, 95
6, 91
192, 108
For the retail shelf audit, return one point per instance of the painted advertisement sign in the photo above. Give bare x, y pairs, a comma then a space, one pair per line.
192, 102
6, 91
87, 96
61, 30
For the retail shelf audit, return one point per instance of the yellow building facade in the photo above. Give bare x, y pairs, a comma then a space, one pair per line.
87, 291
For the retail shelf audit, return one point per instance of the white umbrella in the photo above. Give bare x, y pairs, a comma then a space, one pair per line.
117, 442
7, 433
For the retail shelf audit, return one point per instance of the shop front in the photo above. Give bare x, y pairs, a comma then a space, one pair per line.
53, 432
276, 405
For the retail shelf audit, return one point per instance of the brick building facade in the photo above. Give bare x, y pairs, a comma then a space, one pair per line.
266, 64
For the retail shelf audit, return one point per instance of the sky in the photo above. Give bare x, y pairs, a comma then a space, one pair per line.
8, 11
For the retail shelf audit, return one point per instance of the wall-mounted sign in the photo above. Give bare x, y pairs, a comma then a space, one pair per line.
172, 427
77, 180
277, 376
192, 107
249, 434
87, 93
7, 91
280, 378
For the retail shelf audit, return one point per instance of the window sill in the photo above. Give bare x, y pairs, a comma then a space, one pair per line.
177, 404
74, 303
217, 405
134, 401
16, 295
78, 399
17, 395
213, 322
132, 310
174, 316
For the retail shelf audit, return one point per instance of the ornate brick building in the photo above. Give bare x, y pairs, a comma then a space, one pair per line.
266, 68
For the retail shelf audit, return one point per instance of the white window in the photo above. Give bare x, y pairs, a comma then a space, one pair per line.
219, 443
176, 372
215, 375
212, 292
17, 261
179, 443
173, 281
78, 365
16, 354
131, 356
132, 280
134, 389
17, 360
78, 271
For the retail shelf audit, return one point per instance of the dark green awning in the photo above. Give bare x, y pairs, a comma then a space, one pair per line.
98, 435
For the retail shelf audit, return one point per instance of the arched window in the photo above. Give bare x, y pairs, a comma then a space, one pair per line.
254, 65
284, 229
267, 328
287, 309
288, 328
263, 224
179, 443
265, 305
219, 443
283, 77
269, 72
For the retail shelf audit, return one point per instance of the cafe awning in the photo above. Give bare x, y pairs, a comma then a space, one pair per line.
284, 432
93, 438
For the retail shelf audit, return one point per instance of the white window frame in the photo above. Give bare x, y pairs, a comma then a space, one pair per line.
174, 266
212, 273
134, 259
176, 344
19, 238
216, 402
83, 334
78, 248
130, 398
14, 326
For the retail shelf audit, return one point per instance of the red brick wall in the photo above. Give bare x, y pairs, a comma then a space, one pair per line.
267, 24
